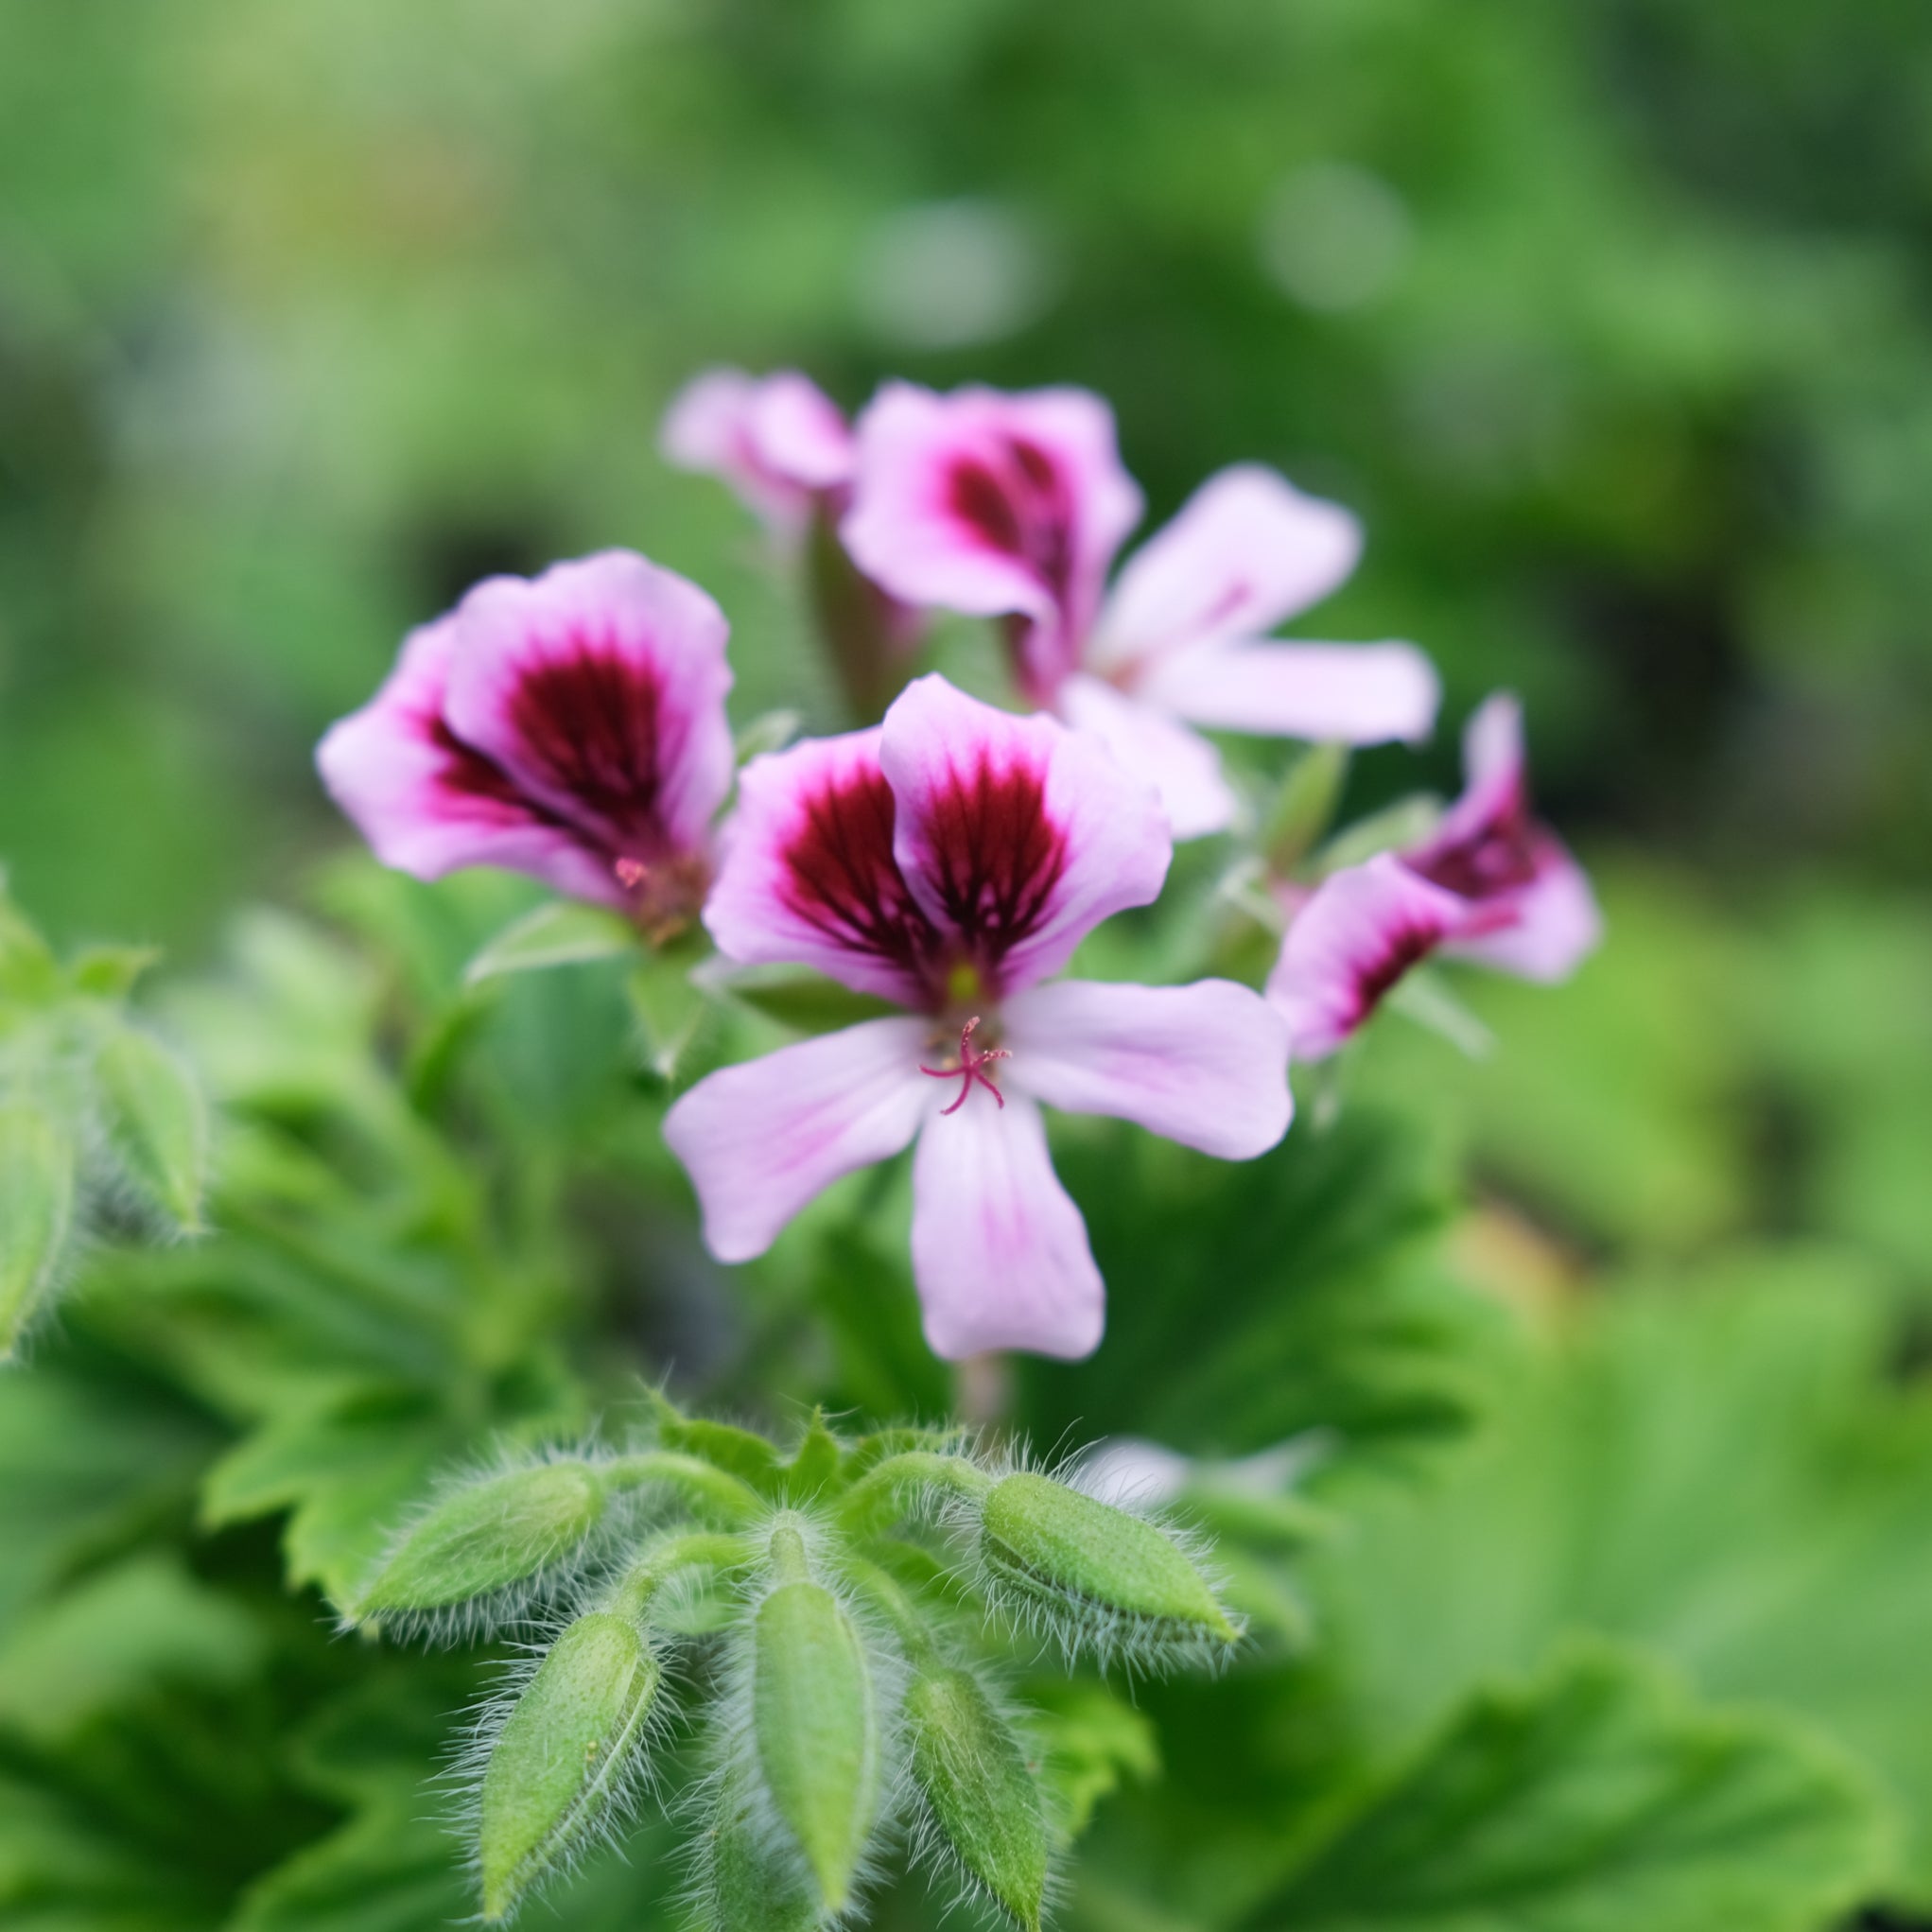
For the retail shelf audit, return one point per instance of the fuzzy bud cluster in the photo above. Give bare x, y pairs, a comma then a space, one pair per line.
851, 1601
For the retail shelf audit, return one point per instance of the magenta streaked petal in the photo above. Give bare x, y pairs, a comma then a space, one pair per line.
1349, 693
994, 505
428, 803
1555, 923
1496, 792
1246, 552
600, 688
777, 439
762, 1138
1016, 835
1180, 764
1206, 1065
999, 1252
808, 877
1360, 932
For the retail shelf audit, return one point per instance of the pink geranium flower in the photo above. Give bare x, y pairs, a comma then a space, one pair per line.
1490, 884
949, 862
779, 441
1015, 506
570, 726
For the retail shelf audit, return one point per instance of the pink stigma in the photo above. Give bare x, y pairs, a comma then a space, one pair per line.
972, 1066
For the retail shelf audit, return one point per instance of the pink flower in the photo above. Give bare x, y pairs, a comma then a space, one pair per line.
1014, 506
779, 441
949, 862
1490, 884
570, 726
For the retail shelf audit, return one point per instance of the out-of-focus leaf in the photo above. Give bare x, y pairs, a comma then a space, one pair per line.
671, 1012
1596, 1796
564, 932
1092, 1741
155, 1126
796, 998
35, 1215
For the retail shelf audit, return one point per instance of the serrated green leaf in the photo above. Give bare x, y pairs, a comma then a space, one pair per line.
564, 932
155, 1124
1593, 1798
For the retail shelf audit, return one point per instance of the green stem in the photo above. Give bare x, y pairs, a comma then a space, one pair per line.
890, 1598
867, 1502
703, 1483
634, 1592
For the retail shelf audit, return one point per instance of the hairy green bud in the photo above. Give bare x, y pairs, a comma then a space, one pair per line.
983, 1801
816, 1725
488, 1535
35, 1215
561, 1763
1061, 1551
747, 1888
155, 1124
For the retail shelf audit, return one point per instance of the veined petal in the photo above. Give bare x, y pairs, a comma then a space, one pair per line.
1360, 932
429, 804
1016, 835
1247, 550
999, 1252
1182, 766
600, 687
1350, 693
1555, 923
1206, 1065
993, 504
762, 1138
777, 439
808, 875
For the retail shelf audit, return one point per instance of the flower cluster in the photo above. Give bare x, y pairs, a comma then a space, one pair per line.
949, 859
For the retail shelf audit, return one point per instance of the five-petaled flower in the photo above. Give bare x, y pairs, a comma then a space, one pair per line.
570, 726
951, 860
1491, 885
1014, 506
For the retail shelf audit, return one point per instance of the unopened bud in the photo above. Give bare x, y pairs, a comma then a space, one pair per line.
488, 1535
35, 1215
817, 1729
973, 1774
563, 1756
749, 1887
1065, 1552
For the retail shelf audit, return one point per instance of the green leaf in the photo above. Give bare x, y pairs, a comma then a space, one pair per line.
1094, 1741
1594, 1798
28, 971
155, 1124
36, 1216
670, 1008
805, 1001
564, 932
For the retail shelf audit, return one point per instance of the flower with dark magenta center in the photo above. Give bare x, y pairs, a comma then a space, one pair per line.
570, 726
951, 860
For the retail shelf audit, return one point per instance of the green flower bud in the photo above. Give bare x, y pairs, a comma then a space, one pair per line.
489, 1534
1065, 1552
970, 1767
816, 1729
156, 1126
561, 1761
747, 1888
35, 1215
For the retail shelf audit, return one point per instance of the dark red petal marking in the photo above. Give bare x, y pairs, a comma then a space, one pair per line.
996, 856
587, 722
1019, 503
1401, 950
473, 775
843, 880
1499, 856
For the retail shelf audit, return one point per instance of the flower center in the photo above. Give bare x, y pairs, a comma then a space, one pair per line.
970, 1067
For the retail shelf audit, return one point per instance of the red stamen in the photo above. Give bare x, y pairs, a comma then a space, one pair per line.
971, 1067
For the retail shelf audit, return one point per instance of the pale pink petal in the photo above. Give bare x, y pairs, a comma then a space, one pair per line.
1349, 693
777, 439
999, 1252
808, 875
1495, 774
1180, 764
600, 687
1206, 1065
762, 1138
1247, 550
1016, 835
1555, 922
994, 505
428, 803
1360, 932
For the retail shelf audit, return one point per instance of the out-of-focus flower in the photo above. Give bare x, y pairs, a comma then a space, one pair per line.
1014, 506
570, 726
949, 862
1491, 885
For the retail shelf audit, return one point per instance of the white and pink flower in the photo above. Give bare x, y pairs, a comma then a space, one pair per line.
1015, 506
949, 862
778, 440
1491, 885
570, 726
